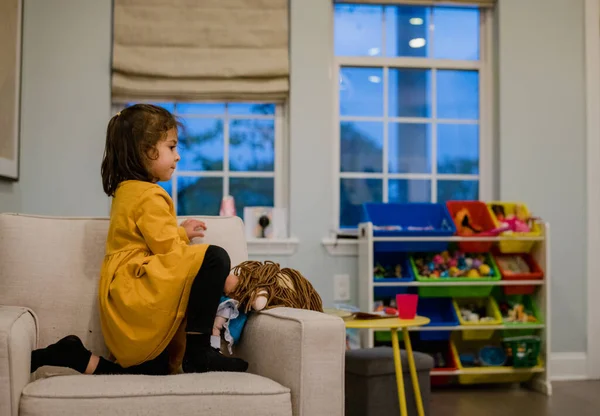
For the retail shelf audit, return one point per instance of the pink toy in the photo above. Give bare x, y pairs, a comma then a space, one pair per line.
516, 225
437, 259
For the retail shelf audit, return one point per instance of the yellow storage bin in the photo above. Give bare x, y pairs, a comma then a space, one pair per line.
492, 311
489, 374
509, 246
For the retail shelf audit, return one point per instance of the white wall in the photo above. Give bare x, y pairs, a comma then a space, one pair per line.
542, 141
66, 104
10, 196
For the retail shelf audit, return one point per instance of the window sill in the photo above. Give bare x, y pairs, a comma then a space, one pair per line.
341, 247
274, 247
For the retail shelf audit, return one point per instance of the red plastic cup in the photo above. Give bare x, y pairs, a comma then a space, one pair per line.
407, 305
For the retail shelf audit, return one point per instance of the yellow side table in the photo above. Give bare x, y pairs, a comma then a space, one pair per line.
393, 324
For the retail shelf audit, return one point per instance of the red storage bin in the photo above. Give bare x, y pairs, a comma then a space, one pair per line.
481, 216
536, 273
433, 348
442, 380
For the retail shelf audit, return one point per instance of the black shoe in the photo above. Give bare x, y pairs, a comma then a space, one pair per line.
208, 359
68, 352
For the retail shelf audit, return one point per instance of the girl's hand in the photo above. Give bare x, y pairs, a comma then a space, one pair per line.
194, 228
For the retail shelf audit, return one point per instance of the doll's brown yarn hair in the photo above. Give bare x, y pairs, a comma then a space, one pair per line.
285, 287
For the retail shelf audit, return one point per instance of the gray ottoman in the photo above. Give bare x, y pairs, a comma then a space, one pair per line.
371, 382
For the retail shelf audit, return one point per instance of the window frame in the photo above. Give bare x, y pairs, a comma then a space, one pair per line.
484, 67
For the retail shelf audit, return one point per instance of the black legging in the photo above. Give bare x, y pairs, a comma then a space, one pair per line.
205, 296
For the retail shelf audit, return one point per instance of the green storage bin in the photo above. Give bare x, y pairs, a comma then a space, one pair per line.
444, 291
523, 352
529, 305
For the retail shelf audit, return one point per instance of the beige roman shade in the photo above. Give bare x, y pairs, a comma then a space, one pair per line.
480, 3
200, 50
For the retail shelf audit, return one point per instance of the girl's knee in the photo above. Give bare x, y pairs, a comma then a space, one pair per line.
219, 258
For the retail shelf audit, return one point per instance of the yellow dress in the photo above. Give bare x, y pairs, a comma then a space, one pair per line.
146, 275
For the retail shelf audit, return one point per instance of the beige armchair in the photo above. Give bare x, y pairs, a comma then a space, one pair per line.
49, 269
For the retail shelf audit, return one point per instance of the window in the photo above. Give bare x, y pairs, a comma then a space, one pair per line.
410, 104
227, 149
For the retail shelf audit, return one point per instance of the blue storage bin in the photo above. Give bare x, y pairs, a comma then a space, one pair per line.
388, 258
390, 292
441, 312
410, 215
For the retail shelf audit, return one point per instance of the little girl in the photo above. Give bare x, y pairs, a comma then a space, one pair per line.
158, 295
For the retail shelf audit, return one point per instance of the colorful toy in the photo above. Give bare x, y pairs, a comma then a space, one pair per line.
381, 272
488, 356
456, 264
519, 222
386, 310
513, 264
492, 356
515, 312
464, 224
473, 313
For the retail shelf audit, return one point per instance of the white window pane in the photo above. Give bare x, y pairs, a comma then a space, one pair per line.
252, 145
458, 94
409, 149
456, 33
200, 108
251, 108
199, 196
252, 192
409, 93
361, 91
201, 144
355, 192
409, 190
407, 31
361, 147
458, 148
457, 190
358, 30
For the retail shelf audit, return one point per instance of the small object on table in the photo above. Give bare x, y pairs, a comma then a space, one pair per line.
407, 305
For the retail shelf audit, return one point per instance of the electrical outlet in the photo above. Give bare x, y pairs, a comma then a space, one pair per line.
341, 287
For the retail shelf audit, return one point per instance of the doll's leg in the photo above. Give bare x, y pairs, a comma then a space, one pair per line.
205, 296
218, 326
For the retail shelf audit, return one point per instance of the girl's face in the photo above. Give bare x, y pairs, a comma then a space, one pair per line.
162, 167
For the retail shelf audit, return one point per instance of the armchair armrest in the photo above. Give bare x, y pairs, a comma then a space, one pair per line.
302, 350
18, 337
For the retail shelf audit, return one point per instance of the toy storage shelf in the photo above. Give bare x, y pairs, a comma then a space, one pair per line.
539, 375
452, 239
473, 328
440, 284
492, 371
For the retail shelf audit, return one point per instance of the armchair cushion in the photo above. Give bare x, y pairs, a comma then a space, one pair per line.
215, 394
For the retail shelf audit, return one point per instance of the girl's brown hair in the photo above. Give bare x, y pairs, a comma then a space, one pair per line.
131, 139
